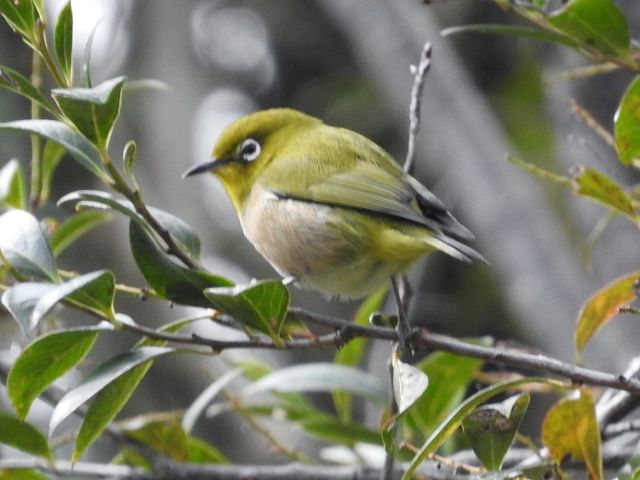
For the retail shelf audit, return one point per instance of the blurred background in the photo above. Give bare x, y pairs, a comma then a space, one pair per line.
348, 62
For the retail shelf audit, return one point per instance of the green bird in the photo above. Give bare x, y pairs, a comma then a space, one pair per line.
326, 206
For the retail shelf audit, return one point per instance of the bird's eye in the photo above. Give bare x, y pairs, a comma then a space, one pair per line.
249, 150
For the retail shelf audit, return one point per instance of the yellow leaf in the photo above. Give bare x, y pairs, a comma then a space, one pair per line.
602, 306
571, 428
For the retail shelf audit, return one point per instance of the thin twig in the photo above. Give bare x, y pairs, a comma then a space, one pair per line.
389, 461
238, 407
583, 72
419, 73
584, 115
615, 429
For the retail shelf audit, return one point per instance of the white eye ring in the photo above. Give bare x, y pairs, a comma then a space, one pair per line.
250, 150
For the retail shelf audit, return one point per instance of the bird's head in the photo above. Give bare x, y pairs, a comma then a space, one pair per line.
248, 145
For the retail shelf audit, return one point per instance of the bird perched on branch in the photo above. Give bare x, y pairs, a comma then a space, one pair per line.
326, 206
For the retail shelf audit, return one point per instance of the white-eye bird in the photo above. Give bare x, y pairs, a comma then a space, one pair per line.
326, 205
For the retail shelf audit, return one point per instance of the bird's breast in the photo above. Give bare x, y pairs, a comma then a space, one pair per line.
325, 248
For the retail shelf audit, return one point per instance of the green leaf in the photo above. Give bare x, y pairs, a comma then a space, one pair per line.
12, 187
107, 405
85, 68
491, 429
46, 359
176, 283
331, 429
179, 230
597, 186
22, 436
320, 377
168, 438
22, 474
92, 110
627, 125
599, 24
453, 421
76, 144
512, 31
571, 428
63, 40
21, 17
409, 383
351, 354
75, 227
100, 378
449, 378
29, 302
52, 153
25, 247
17, 83
129, 158
603, 306
261, 305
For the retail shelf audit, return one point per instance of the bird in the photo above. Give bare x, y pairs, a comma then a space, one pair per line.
327, 207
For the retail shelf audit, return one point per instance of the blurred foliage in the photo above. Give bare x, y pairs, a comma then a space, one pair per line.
79, 118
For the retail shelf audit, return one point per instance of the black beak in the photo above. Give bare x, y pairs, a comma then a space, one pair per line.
204, 167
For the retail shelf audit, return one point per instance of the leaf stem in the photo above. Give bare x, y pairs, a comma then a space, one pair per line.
36, 142
43, 50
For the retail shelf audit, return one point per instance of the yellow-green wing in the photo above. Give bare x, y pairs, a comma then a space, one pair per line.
368, 188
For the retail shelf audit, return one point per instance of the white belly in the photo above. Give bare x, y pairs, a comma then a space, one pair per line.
320, 246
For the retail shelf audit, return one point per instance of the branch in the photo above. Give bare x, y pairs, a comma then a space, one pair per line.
98, 471
421, 339
419, 73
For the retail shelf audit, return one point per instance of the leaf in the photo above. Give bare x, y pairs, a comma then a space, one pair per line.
21, 17
29, 302
46, 359
76, 144
261, 305
603, 306
409, 383
491, 429
22, 436
331, 429
449, 378
570, 428
199, 405
51, 156
129, 158
63, 40
179, 229
351, 354
597, 186
174, 282
12, 187
100, 378
17, 83
25, 247
75, 227
511, 30
453, 421
21, 474
107, 405
320, 377
92, 110
627, 125
168, 438
85, 68
599, 24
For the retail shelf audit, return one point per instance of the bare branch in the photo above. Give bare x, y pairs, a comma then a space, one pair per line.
419, 73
